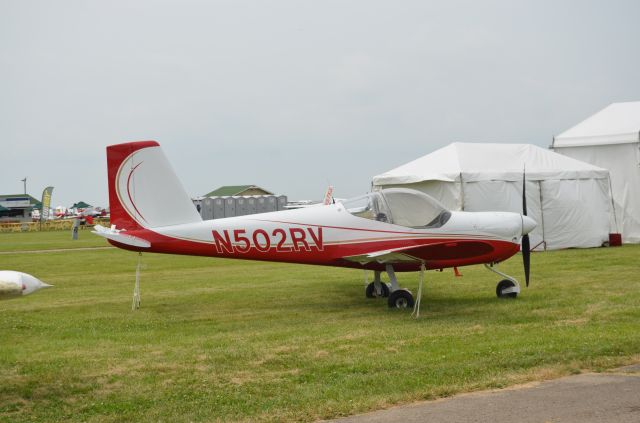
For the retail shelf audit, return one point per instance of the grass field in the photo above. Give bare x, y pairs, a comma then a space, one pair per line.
33, 241
232, 340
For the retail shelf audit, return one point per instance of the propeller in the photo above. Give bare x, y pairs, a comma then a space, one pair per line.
526, 248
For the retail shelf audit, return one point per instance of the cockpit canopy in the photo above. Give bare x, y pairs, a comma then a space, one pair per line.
400, 206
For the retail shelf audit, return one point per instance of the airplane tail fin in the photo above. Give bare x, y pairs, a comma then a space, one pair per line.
328, 196
144, 191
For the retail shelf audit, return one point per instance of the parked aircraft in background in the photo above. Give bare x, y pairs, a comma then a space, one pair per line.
387, 231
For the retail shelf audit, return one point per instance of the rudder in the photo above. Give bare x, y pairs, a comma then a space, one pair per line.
144, 191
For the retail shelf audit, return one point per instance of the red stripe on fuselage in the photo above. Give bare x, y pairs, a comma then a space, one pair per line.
330, 255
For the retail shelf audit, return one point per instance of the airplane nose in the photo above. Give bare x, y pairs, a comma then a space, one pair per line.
528, 224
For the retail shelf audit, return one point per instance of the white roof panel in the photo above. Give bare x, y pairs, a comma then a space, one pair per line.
618, 123
487, 161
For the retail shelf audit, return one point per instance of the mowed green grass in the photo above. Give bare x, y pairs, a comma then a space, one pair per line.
223, 340
34, 241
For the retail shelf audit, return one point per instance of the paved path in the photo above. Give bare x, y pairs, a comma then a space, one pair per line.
602, 397
55, 250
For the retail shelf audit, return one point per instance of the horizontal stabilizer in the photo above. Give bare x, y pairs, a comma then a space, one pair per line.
120, 237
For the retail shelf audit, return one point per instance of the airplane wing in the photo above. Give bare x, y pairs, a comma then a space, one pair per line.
384, 257
437, 251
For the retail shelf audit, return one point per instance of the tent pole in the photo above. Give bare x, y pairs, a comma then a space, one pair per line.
613, 204
544, 241
461, 193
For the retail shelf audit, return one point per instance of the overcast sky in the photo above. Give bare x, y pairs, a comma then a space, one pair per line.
294, 95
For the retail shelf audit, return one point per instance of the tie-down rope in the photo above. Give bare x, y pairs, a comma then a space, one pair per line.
416, 305
136, 290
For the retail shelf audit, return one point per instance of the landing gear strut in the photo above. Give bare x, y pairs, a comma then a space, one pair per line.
506, 288
397, 297
377, 288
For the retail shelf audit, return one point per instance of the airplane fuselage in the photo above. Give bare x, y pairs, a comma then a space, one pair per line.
296, 236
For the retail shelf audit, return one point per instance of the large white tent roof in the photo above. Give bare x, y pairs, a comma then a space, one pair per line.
618, 123
486, 161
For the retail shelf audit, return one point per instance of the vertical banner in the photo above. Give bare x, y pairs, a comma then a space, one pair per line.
46, 203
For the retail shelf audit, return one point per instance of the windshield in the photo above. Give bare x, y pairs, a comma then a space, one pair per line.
401, 206
370, 206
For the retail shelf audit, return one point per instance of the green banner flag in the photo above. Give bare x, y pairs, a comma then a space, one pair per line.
46, 203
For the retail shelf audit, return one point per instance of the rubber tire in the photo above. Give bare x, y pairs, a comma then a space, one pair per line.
503, 284
370, 291
400, 298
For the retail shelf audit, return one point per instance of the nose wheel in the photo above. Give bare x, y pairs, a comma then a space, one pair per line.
506, 288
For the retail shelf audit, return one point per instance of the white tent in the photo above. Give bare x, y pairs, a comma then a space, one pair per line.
569, 199
611, 139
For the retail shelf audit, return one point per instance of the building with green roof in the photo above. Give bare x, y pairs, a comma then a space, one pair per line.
17, 207
238, 190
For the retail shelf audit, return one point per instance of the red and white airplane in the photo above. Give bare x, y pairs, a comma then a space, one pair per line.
390, 230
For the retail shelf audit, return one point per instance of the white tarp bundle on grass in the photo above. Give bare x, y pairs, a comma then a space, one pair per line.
611, 139
569, 199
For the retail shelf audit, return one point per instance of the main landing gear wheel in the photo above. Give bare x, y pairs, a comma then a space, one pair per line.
504, 285
370, 292
400, 298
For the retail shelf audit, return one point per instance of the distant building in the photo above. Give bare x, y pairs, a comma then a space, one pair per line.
17, 207
238, 200
81, 205
238, 191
